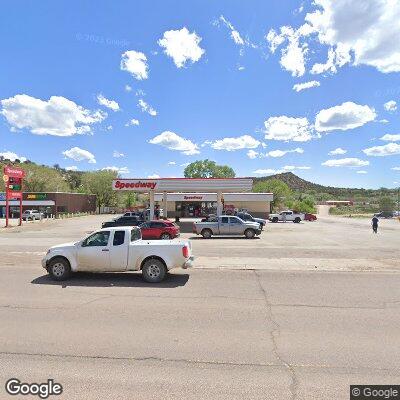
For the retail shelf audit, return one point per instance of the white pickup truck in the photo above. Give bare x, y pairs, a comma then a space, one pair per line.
287, 215
118, 249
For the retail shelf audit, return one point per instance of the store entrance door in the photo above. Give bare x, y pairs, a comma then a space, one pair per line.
195, 209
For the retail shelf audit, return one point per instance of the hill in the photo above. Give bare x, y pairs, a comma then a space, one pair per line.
322, 192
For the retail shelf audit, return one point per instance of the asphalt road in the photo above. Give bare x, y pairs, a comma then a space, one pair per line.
207, 333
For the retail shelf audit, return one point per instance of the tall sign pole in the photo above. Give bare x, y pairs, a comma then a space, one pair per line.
5, 177
13, 177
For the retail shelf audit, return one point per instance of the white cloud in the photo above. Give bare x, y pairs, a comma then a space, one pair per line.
78, 154
182, 46
9, 155
172, 141
395, 168
389, 149
361, 171
135, 63
390, 106
338, 151
286, 168
390, 138
154, 176
171, 163
117, 154
337, 57
235, 35
268, 171
252, 154
132, 122
293, 56
235, 143
288, 128
346, 162
356, 32
306, 85
281, 153
58, 116
346, 116
140, 93
111, 104
370, 30
71, 168
185, 164
147, 108
109, 127
128, 88
119, 170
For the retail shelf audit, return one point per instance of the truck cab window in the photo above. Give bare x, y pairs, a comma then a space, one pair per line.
135, 234
224, 220
119, 238
97, 239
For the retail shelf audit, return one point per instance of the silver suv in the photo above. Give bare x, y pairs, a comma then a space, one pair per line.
31, 215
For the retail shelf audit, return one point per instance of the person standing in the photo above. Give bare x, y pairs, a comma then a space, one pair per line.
374, 224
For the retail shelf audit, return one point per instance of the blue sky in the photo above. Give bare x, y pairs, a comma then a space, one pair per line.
218, 79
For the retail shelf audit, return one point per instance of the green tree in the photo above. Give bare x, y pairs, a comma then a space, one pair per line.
208, 169
386, 204
100, 184
130, 200
281, 191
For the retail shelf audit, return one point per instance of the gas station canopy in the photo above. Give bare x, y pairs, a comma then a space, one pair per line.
224, 185
164, 185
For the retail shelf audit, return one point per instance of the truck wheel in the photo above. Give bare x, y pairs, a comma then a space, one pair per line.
297, 220
165, 236
249, 233
154, 271
59, 269
206, 233
275, 219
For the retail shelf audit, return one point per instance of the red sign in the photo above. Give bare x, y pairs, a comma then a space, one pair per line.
14, 195
14, 172
13, 178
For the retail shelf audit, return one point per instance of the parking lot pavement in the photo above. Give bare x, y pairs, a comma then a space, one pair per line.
220, 330
331, 243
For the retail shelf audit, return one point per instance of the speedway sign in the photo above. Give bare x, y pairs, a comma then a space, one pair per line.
140, 185
184, 185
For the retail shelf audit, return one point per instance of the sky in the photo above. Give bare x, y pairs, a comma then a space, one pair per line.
144, 88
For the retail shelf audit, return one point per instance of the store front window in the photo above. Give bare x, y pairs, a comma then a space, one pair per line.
195, 209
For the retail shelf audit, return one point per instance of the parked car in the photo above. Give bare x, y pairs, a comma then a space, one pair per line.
384, 214
31, 215
227, 225
287, 215
248, 217
310, 217
159, 230
118, 249
131, 214
123, 221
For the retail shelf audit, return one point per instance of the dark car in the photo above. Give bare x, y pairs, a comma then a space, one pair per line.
123, 221
159, 230
384, 214
248, 217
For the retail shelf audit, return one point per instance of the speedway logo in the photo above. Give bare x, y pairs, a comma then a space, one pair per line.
135, 185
